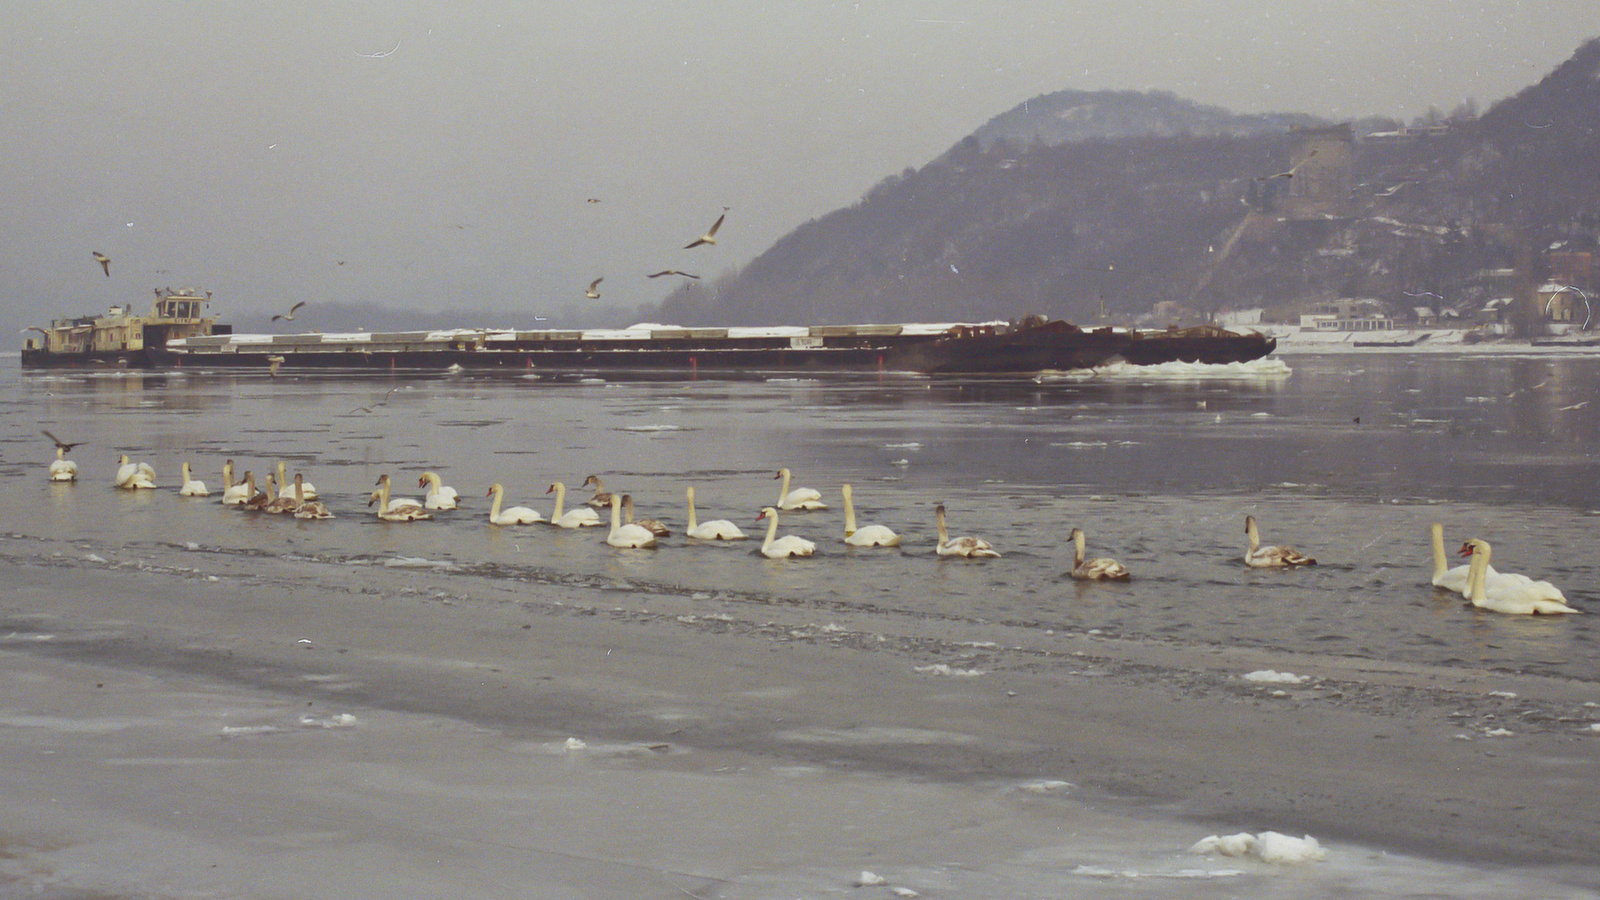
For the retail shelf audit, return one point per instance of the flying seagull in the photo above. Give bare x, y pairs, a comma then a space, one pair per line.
63, 446
593, 293
368, 409
673, 272
273, 362
710, 237
289, 316
1293, 169
105, 261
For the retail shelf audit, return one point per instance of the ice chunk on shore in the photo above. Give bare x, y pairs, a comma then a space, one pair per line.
1268, 675
1268, 846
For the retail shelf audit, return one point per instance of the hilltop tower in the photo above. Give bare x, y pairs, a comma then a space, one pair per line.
1323, 163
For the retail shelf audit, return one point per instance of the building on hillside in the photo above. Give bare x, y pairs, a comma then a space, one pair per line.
1348, 314
1563, 308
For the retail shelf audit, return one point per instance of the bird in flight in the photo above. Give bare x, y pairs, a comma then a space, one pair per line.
710, 237
105, 261
593, 293
1295, 168
273, 362
289, 316
62, 445
673, 272
368, 409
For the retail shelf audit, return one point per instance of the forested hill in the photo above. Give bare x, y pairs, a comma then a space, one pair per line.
1002, 225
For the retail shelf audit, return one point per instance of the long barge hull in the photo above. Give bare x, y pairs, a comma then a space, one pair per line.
927, 349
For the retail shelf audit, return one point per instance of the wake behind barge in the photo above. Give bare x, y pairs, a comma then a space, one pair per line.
1024, 348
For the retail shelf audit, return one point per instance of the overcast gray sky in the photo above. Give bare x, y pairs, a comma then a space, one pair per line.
444, 151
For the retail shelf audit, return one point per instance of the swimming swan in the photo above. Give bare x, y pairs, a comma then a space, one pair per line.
1270, 557
135, 476
440, 495
233, 494
582, 517
601, 498
61, 468
976, 548
626, 534
866, 535
191, 487
397, 509
1098, 569
1508, 595
308, 509
516, 515
714, 530
1455, 580
799, 498
650, 525
775, 547
287, 489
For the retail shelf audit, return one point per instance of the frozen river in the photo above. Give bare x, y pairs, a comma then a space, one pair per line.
1348, 458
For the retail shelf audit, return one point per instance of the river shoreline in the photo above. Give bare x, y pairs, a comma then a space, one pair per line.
1376, 754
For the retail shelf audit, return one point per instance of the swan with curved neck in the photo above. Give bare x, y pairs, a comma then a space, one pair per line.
396, 509
286, 488
61, 468
133, 476
1455, 580
1100, 568
775, 547
627, 535
582, 517
799, 498
866, 535
191, 486
714, 530
1270, 557
971, 547
308, 509
440, 495
1508, 595
516, 515
601, 498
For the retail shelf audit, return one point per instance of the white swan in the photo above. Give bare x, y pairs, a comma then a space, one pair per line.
191, 486
61, 468
1270, 557
602, 497
234, 494
866, 535
799, 498
135, 476
961, 546
1098, 569
397, 509
440, 495
308, 509
775, 547
582, 517
714, 530
286, 488
516, 515
1456, 580
1508, 595
626, 534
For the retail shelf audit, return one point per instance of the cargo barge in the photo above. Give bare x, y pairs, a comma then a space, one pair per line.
167, 340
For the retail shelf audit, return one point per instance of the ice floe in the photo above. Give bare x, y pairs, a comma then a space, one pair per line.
1268, 846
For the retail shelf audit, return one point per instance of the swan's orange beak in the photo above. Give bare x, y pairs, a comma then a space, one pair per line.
550, 490
489, 493
762, 516
1466, 550
422, 482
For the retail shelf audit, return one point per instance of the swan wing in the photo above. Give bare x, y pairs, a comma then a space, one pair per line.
717, 530
873, 536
